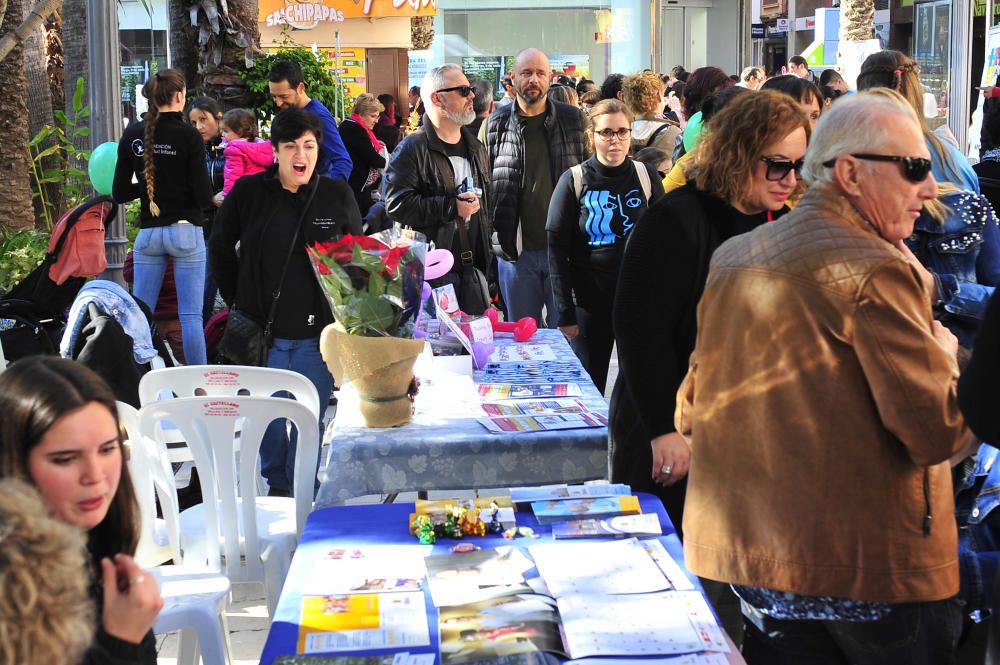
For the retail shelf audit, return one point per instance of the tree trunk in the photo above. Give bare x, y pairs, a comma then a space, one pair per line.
54, 60
15, 159
184, 44
36, 77
76, 55
857, 26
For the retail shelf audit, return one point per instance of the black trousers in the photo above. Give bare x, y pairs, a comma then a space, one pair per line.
596, 339
912, 634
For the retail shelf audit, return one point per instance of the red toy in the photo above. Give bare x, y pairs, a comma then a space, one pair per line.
523, 330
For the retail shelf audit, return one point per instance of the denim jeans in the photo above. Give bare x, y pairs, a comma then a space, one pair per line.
527, 287
912, 634
277, 449
186, 244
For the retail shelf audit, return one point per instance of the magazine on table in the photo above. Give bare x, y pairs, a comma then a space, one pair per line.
460, 578
546, 492
565, 510
544, 422
499, 627
622, 526
363, 622
501, 391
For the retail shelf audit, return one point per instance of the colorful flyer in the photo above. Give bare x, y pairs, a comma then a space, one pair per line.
516, 353
495, 391
544, 422
363, 622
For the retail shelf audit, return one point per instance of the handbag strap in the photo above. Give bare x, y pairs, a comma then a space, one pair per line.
445, 171
288, 259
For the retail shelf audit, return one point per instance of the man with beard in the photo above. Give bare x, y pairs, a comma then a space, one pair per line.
429, 165
529, 145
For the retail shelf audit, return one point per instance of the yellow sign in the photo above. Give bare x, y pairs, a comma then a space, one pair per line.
307, 14
352, 70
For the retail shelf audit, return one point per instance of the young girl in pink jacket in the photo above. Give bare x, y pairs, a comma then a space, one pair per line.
245, 152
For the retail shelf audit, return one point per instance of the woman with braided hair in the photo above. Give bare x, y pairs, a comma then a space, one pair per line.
167, 156
895, 70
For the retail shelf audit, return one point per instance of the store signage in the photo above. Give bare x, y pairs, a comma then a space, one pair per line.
307, 14
782, 25
757, 31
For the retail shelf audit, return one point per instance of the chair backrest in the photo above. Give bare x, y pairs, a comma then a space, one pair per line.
152, 478
209, 425
227, 381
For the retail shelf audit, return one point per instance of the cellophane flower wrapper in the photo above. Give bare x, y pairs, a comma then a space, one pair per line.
373, 283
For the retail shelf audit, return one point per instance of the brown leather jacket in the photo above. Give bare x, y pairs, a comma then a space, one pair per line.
822, 412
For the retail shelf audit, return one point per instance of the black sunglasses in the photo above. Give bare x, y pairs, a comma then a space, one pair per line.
462, 90
777, 169
915, 169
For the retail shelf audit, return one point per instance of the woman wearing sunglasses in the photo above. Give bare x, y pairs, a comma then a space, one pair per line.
899, 72
593, 209
735, 184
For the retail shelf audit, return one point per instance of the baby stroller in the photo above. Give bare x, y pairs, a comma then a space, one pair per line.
33, 313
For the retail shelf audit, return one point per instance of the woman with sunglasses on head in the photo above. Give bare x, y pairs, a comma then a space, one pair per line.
743, 172
899, 72
593, 209
60, 433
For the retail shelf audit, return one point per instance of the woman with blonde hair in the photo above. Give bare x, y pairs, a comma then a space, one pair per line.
368, 154
744, 171
167, 155
643, 93
899, 72
593, 209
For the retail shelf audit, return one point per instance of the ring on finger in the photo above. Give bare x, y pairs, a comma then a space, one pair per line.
665, 470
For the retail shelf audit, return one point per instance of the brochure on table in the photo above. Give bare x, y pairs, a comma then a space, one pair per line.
546, 492
363, 622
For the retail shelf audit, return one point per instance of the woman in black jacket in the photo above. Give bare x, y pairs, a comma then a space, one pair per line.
205, 115
591, 215
744, 169
60, 433
168, 157
368, 154
266, 213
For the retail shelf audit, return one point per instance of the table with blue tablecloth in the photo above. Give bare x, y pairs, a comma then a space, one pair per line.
388, 524
444, 447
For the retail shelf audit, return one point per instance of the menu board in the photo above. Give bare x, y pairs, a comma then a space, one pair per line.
351, 69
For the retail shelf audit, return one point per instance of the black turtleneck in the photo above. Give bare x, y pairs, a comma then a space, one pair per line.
587, 233
181, 185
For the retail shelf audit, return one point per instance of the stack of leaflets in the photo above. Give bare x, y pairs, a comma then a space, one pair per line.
539, 415
564, 510
613, 527
585, 491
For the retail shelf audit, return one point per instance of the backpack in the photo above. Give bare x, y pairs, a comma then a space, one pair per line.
640, 170
77, 241
635, 145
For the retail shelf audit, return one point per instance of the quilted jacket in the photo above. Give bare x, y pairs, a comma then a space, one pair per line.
505, 153
822, 412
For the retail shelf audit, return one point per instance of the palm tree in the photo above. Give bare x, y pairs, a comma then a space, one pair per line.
15, 159
223, 43
857, 28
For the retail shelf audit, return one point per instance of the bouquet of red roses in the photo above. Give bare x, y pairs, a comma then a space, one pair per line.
373, 283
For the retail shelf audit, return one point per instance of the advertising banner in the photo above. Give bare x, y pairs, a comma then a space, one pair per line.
307, 14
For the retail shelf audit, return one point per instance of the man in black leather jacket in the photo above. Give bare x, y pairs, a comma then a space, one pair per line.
529, 144
423, 174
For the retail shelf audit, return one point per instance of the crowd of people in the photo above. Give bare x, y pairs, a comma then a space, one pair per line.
799, 279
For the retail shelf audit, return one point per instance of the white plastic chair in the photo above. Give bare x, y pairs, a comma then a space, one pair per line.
251, 537
195, 597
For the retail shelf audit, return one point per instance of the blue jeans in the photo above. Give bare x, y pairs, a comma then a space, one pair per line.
186, 244
277, 449
526, 288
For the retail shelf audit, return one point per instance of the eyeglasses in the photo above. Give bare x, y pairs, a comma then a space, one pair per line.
915, 169
778, 169
462, 90
621, 134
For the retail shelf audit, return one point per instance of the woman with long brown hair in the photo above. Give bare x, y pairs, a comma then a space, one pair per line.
167, 156
60, 433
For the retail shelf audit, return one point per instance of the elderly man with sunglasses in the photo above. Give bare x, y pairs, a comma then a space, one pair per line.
426, 172
821, 408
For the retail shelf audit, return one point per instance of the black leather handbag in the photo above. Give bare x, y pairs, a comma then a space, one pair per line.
245, 341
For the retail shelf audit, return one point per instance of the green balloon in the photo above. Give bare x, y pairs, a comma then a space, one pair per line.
102, 167
692, 132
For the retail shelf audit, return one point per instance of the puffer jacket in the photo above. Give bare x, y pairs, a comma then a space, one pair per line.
830, 422
415, 195
505, 152
246, 158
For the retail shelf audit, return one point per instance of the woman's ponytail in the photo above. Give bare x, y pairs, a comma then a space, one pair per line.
159, 90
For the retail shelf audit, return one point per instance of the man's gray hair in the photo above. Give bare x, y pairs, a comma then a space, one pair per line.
855, 123
484, 95
434, 80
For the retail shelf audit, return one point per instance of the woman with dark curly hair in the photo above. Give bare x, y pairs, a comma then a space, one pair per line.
60, 433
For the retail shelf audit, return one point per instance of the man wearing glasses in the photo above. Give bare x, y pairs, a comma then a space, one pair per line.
821, 409
423, 178
529, 144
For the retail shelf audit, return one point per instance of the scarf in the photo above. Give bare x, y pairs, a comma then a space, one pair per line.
378, 145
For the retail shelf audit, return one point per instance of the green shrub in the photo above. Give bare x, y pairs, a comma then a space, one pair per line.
21, 251
316, 69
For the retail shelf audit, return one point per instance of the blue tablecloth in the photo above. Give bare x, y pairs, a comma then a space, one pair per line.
450, 453
387, 524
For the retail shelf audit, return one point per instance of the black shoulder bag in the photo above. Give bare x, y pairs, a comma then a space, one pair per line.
245, 341
473, 290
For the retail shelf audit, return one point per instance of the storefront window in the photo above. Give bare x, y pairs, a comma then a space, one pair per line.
931, 43
143, 52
